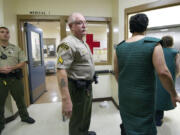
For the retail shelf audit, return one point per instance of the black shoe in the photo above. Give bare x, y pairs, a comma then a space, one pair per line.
91, 133
1, 129
28, 120
159, 123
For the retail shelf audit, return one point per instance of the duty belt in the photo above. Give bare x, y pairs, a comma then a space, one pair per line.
81, 83
16, 73
7, 75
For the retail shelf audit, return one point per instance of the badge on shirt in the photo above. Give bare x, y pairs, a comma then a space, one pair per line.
10, 51
84, 52
60, 60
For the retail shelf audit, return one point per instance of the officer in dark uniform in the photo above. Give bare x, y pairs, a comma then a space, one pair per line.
12, 59
75, 76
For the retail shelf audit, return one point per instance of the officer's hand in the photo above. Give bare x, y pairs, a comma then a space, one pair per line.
175, 99
67, 108
5, 70
1, 70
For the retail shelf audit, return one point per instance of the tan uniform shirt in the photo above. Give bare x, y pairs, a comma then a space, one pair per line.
14, 55
75, 56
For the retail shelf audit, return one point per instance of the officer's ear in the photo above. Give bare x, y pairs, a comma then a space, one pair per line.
70, 25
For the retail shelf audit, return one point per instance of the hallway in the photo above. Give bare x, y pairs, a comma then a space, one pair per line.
52, 94
105, 121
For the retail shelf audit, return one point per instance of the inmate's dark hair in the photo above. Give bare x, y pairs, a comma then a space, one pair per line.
167, 41
138, 23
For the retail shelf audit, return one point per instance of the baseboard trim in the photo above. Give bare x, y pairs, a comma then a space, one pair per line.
106, 99
11, 118
102, 99
115, 104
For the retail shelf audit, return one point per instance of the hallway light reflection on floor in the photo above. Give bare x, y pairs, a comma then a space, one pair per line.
54, 99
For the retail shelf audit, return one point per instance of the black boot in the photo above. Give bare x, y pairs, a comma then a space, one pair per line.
123, 132
28, 120
1, 129
159, 117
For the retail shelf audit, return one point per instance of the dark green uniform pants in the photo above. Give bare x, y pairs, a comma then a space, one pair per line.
81, 112
16, 89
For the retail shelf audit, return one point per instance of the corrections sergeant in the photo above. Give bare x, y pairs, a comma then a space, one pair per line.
75, 75
12, 59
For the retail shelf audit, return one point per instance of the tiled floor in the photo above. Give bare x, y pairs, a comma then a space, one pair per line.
105, 121
53, 93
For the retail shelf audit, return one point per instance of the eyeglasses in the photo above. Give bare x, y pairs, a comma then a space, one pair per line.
80, 22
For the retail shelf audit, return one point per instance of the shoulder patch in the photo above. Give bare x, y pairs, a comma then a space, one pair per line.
63, 46
60, 60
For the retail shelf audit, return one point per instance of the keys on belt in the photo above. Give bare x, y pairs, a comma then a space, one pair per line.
4, 82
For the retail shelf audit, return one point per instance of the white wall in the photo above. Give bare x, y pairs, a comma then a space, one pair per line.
115, 41
103, 88
101, 8
107, 86
1, 13
115, 21
10, 19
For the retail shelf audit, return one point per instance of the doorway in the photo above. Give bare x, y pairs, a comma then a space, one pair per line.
51, 39
36, 68
60, 24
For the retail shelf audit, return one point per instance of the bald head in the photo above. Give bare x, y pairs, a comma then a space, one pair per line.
73, 17
77, 24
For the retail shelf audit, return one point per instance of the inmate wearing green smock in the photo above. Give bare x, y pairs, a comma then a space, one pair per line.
136, 84
163, 99
11, 84
75, 57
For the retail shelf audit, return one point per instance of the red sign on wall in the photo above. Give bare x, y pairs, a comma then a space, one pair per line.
91, 43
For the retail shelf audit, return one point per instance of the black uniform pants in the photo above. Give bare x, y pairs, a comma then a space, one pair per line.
81, 112
15, 87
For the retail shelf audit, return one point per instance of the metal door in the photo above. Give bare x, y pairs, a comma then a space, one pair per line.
35, 61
